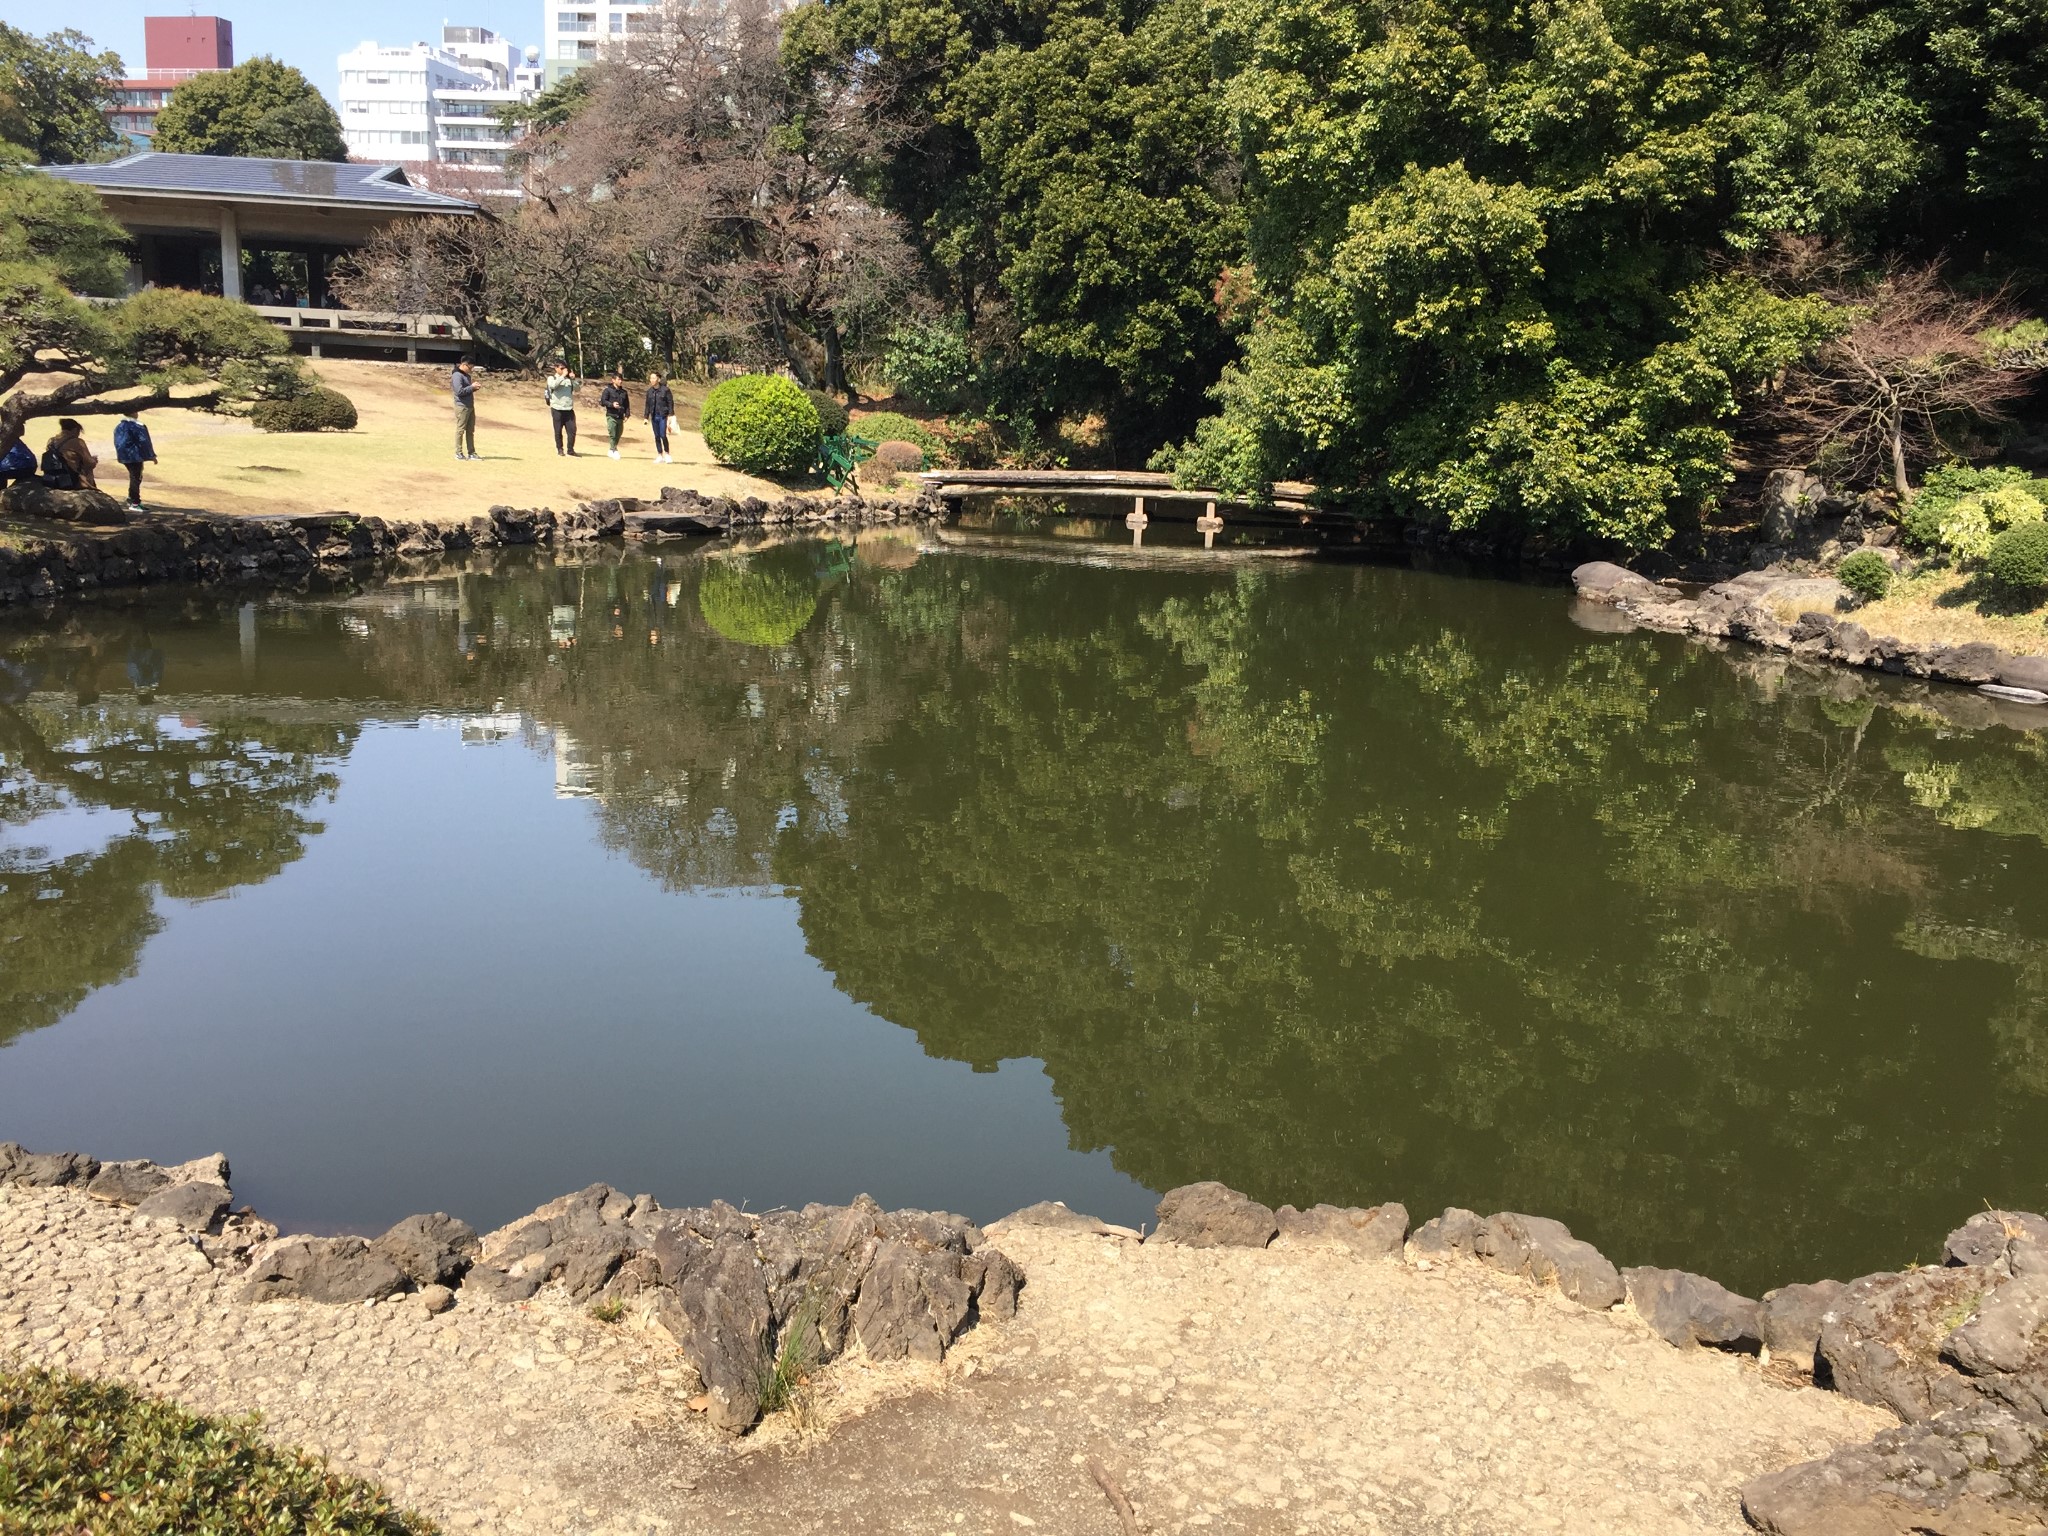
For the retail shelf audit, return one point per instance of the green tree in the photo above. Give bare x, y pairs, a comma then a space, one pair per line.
259, 108
1488, 247
60, 355
1065, 172
54, 96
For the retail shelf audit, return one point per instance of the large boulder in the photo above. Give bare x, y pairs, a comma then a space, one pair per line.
1539, 1249
1602, 581
2003, 1349
1791, 505
912, 1303
44, 1170
195, 1206
2010, 1242
1789, 1321
1451, 1235
31, 498
1212, 1215
1688, 1309
1976, 1471
127, 1183
1881, 1340
717, 1312
336, 1270
432, 1249
1377, 1232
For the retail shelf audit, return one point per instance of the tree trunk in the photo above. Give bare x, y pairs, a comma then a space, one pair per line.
778, 318
1899, 481
835, 362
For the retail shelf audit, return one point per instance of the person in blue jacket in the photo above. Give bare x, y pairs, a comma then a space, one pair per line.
18, 465
134, 449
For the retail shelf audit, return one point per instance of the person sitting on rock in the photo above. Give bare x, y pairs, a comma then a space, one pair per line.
67, 462
18, 465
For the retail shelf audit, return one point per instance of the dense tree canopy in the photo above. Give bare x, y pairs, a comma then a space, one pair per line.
260, 107
1065, 173
54, 92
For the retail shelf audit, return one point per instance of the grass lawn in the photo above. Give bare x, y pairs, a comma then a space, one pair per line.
400, 460
86, 1458
1942, 606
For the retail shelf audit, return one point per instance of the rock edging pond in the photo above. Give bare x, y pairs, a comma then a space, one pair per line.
1958, 1352
74, 556
1749, 608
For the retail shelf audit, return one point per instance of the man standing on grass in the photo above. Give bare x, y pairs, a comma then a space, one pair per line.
462, 385
617, 405
560, 392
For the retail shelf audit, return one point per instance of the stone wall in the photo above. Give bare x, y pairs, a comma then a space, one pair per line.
70, 559
1748, 608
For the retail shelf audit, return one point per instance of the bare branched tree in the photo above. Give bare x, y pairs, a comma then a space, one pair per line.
1891, 392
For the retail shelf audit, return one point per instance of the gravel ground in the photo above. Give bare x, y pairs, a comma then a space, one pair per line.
1295, 1389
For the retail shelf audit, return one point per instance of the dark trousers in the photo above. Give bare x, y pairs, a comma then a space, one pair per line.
135, 483
660, 426
565, 430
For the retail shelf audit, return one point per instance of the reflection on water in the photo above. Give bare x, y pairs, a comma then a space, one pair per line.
1332, 882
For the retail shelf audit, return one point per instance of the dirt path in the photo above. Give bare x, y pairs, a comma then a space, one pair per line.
1297, 1390
400, 459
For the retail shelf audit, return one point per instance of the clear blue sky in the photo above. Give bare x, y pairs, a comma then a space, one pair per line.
305, 33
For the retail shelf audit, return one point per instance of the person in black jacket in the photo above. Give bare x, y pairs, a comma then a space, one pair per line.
462, 386
617, 405
659, 404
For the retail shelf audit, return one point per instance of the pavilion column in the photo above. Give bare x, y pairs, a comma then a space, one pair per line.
230, 253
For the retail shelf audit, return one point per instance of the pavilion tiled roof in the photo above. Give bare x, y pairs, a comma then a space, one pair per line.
245, 179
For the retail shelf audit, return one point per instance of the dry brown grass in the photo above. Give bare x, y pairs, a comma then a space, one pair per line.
400, 460
1943, 607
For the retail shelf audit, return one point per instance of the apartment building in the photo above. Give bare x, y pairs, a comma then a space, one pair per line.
174, 48
575, 32
436, 103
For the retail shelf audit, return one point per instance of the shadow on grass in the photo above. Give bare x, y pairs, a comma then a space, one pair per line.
1988, 598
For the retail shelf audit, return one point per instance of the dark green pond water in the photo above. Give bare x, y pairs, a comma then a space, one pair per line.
1021, 867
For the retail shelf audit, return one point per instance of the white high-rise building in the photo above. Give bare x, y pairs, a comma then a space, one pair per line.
435, 104
576, 29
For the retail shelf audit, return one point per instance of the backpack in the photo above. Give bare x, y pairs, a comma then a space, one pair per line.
57, 472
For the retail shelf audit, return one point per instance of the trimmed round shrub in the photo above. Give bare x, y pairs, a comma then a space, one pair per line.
892, 426
897, 457
2018, 561
1865, 574
317, 410
831, 412
762, 424
753, 605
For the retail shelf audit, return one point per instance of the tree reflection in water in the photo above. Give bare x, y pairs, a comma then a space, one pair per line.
1334, 882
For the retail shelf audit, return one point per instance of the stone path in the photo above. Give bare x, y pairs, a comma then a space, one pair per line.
1292, 1389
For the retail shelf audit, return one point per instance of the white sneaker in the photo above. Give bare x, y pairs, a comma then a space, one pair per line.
615, 453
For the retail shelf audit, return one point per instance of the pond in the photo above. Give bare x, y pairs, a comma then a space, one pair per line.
1003, 866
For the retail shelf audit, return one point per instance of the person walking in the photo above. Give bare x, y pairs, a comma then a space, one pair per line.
462, 385
560, 392
617, 405
67, 462
658, 405
134, 449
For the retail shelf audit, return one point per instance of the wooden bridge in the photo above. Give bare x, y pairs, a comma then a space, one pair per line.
1290, 497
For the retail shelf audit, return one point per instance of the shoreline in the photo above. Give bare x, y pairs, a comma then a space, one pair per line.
703, 1299
72, 560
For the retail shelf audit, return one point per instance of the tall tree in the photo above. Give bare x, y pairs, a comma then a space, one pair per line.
259, 108
1066, 174
54, 96
1492, 253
